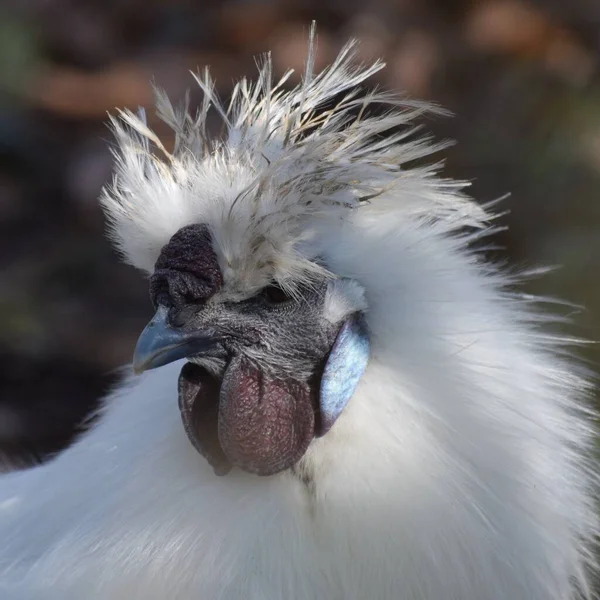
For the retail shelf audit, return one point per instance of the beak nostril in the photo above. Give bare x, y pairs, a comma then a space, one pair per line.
178, 317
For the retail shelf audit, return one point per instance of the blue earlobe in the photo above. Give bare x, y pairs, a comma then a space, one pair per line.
344, 368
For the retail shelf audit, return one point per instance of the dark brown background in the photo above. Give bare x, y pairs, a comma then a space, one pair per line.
521, 76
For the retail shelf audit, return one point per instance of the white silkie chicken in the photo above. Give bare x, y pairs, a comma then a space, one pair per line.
350, 405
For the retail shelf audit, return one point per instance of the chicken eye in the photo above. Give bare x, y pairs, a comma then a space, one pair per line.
275, 295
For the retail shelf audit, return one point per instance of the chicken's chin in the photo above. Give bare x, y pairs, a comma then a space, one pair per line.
247, 419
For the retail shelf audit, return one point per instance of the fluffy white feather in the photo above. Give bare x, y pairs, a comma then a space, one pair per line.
461, 469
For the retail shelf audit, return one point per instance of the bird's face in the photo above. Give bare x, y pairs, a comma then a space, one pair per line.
265, 374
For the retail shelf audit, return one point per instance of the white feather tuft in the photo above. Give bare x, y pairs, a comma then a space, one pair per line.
286, 166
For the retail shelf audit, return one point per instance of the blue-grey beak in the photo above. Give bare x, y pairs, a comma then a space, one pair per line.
160, 343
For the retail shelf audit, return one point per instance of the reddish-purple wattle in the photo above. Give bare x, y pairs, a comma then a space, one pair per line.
265, 424
259, 424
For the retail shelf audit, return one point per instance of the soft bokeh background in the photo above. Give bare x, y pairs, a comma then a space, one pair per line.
521, 76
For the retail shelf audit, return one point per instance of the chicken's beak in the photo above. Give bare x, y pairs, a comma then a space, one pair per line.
161, 343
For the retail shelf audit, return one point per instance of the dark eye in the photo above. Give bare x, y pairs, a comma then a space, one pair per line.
275, 295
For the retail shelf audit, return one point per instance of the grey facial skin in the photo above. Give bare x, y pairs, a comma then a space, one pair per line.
286, 338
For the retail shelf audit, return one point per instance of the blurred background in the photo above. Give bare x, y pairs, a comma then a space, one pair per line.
521, 76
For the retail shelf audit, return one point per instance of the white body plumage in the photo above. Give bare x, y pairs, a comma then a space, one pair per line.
461, 467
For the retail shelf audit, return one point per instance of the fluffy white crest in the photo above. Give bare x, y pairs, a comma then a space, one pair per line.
288, 165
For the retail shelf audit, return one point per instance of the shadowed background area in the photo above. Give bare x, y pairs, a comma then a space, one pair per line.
521, 76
